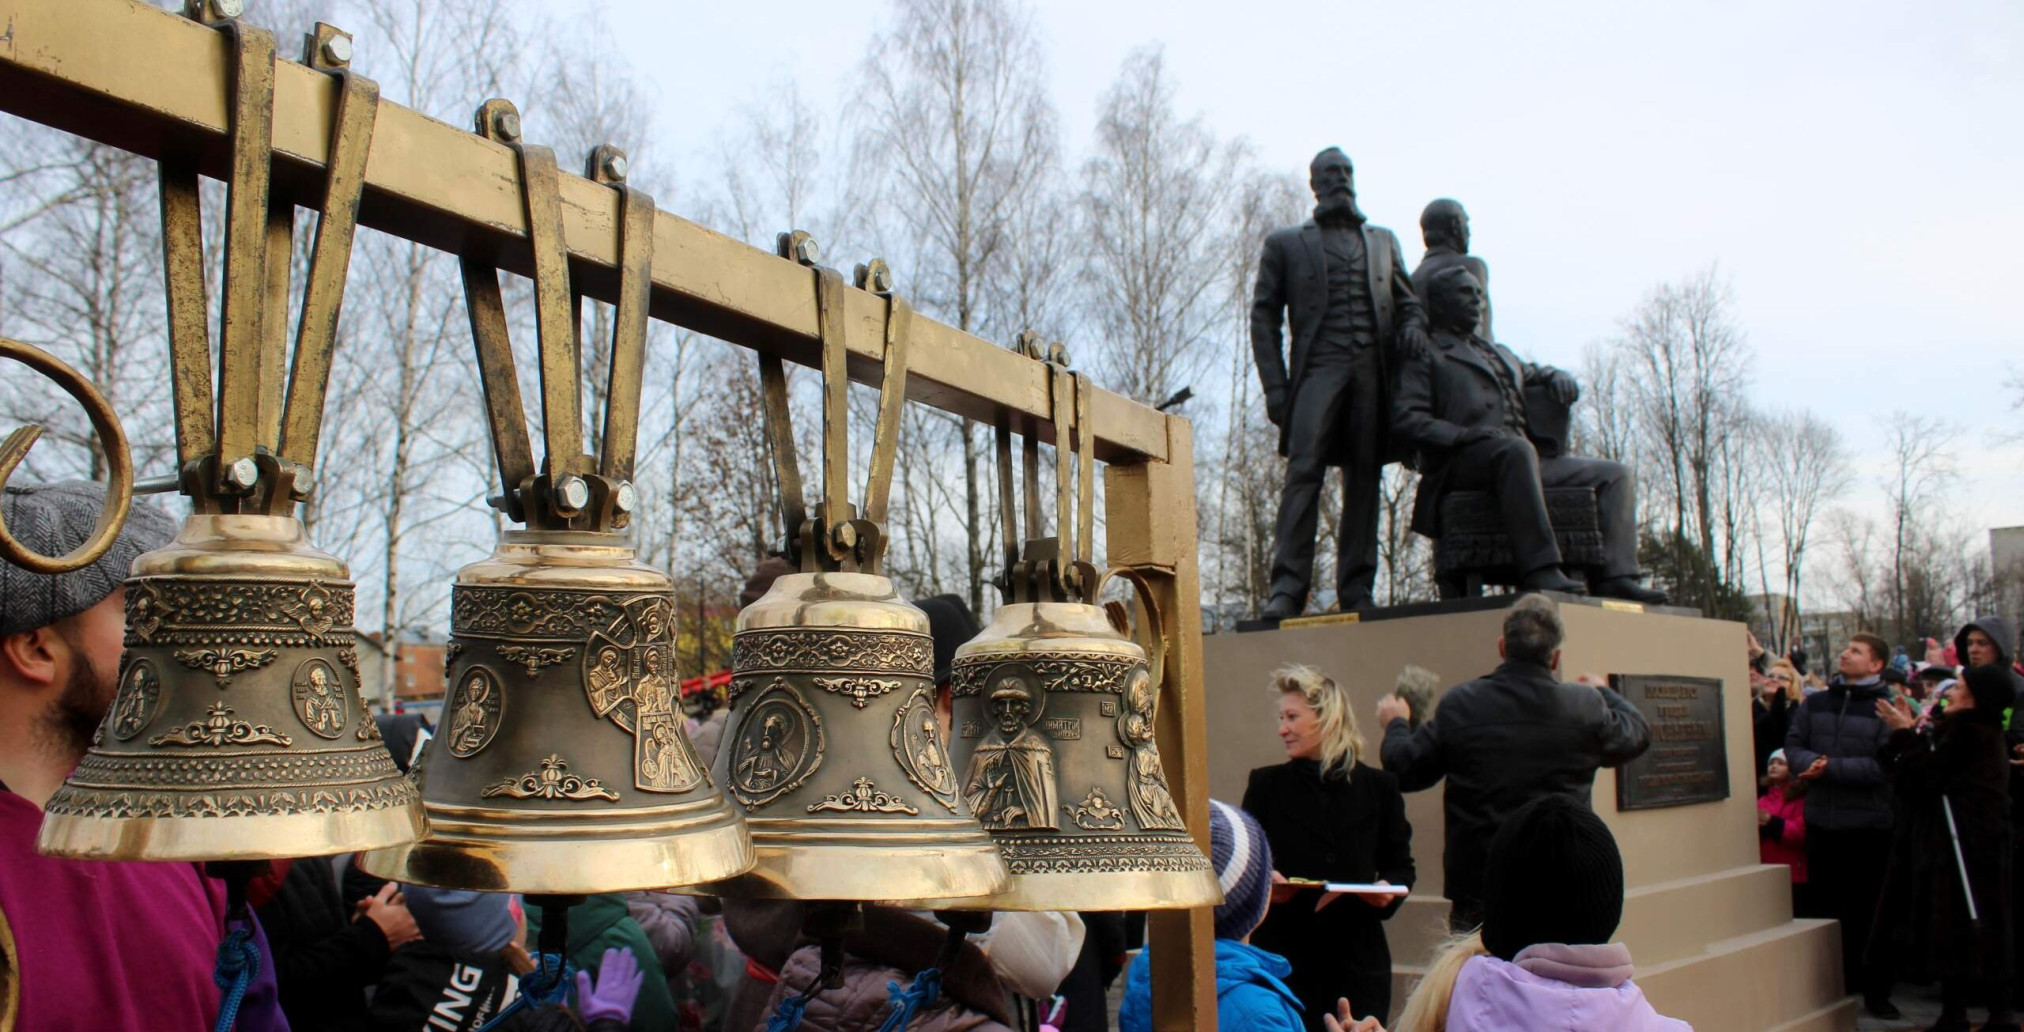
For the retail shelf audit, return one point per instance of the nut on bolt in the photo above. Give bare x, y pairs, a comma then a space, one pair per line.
337, 50
615, 166
241, 474
508, 125
807, 251
844, 536
572, 494
229, 8
623, 499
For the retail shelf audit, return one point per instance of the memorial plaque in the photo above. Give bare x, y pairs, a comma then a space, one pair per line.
1689, 760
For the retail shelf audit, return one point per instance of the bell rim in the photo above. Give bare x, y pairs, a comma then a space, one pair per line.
556, 866
861, 872
1098, 891
225, 837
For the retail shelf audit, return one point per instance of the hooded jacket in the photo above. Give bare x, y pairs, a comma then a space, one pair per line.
1251, 992
1554, 988
1841, 724
601, 921
1998, 630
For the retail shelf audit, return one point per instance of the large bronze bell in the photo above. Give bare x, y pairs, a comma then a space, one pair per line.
832, 746
238, 732
562, 765
1053, 712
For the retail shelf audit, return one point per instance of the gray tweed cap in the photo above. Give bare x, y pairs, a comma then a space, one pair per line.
53, 519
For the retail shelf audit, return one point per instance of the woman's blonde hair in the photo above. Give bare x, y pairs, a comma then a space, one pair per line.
1786, 672
1427, 1008
1341, 740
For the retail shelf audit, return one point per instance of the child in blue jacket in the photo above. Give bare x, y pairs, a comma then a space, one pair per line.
1251, 993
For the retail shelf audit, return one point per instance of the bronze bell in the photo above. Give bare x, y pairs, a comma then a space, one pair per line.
1053, 713
238, 732
563, 765
832, 745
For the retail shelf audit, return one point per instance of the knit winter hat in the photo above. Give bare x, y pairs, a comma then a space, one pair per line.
461, 920
53, 519
1554, 876
1993, 688
1243, 862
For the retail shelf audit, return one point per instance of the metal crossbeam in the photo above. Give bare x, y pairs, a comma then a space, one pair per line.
133, 76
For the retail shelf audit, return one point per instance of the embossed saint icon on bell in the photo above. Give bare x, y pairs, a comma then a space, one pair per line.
563, 765
832, 747
238, 732
1054, 710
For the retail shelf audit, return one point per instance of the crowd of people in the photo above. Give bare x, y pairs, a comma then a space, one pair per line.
1889, 797
1892, 790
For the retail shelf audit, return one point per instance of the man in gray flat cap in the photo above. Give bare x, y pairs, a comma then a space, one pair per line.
96, 944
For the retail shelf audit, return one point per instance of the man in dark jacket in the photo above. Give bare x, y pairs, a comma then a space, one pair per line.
1989, 641
1833, 744
1507, 739
326, 954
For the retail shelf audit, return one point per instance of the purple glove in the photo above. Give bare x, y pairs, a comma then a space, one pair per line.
618, 985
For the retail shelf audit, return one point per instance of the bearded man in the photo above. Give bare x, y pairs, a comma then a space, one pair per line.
96, 944
1342, 285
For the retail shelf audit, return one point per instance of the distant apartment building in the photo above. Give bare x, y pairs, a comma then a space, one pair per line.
2006, 560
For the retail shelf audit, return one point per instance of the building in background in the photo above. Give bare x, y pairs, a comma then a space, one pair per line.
2006, 561
419, 676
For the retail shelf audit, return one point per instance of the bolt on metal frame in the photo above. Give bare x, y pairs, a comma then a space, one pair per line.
127, 74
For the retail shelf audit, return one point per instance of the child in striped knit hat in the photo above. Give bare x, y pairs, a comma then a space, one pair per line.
1251, 993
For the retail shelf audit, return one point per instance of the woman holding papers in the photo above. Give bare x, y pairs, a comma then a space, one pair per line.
1329, 818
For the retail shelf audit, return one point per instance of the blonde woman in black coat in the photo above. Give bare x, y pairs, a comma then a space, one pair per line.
1329, 817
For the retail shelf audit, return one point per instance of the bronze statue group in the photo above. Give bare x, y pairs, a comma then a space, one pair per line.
1363, 364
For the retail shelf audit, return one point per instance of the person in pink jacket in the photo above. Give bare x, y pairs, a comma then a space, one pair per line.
1543, 960
1781, 825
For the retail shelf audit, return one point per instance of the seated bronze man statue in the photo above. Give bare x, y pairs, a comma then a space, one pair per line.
1461, 406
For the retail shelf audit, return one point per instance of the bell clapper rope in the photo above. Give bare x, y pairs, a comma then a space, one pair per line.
238, 958
548, 984
827, 922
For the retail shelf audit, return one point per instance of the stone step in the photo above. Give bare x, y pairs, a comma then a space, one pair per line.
1764, 980
1660, 922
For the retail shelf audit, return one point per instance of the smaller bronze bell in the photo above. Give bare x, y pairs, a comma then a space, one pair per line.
1053, 712
832, 745
834, 750
238, 731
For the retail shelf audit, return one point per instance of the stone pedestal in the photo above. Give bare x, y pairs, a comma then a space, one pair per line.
1710, 928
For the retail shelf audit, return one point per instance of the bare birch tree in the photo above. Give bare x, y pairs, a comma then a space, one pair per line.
954, 132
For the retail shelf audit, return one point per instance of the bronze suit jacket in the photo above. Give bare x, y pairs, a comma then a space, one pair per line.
1293, 287
1449, 390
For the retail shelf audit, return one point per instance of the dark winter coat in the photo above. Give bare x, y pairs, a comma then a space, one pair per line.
1770, 720
1922, 919
1841, 724
1503, 741
894, 947
1338, 829
323, 958
1998, 630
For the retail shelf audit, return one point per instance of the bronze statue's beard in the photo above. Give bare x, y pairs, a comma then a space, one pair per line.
67, 726
1337, 207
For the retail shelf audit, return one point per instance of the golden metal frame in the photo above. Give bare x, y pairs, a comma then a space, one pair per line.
128, 74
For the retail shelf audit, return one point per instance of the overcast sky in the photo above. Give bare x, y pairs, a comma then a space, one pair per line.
1855, 167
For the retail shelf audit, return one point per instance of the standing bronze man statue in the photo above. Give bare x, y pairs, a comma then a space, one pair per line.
1444, 228
1342, 284
1462, 406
